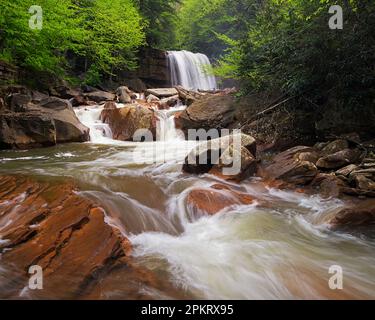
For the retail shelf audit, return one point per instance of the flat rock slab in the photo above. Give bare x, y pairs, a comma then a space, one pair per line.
162, 92
50, 225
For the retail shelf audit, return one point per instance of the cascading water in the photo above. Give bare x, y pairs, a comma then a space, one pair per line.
276, 248
90, 117
166, 127
101, 132
190, 70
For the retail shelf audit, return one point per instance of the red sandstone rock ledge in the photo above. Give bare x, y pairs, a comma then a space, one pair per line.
50, 225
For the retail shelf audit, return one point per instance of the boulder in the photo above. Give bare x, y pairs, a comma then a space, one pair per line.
334, 146
65, 92
289, 168
339, 159
23, 131
18, 102
361, 215
124, 122
162, 93
310, 156
151, 98
247, 166
88, 89
80, 101
329, 185
110, 105
346, 171
56, 104
100, 96
68, 127
207, 113
136, 85
214, 199
364, 183
170, 102
124, 95
188, 96
48, 224
37, 97
206, 155
45, 121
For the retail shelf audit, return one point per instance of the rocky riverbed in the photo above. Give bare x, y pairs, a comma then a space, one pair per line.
106, 217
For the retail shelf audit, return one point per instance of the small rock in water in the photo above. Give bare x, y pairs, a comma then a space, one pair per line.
214, 199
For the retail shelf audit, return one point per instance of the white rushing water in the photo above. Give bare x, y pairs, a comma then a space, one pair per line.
279, 247
101, 133
170, 144
190, 70
90, 117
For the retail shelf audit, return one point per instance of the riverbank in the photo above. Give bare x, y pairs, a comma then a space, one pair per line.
114, 191
272, 235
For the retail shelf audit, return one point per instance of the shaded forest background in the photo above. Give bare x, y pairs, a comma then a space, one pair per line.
283, 45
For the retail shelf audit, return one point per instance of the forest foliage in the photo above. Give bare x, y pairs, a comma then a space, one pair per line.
105, 34
266, 44
287, 45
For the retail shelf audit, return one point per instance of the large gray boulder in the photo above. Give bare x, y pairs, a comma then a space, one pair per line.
23, 131
37, 120
162, 93
208, 112
100, 96
125, 95
215, 155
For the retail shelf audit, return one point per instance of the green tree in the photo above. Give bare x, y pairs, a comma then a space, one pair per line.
107, 34
211, 26
290, 46
38, 50
113, 34
160, 18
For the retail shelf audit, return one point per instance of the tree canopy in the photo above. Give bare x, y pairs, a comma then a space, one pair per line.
266, 44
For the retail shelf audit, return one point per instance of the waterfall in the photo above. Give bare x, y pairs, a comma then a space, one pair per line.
101, 133
190, 70
90, 117
166, 126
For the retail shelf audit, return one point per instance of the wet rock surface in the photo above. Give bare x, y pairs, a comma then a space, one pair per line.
100, 96
214, 199
124, 122
37, 120
236, 151
52, 226
292, 167
211, 111
361, 215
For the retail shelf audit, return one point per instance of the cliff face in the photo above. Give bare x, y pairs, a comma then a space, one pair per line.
8, 73
153, 69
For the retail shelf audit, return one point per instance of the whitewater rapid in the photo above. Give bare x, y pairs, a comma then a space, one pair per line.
277, 248
245, 252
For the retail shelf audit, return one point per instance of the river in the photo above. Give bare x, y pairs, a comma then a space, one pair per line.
282, 251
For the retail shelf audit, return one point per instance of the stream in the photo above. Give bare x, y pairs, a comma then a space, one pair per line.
283, 251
